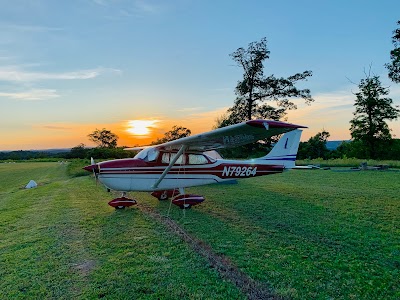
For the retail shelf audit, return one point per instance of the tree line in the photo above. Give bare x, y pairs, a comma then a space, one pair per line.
259, 96
106, 142
370, 134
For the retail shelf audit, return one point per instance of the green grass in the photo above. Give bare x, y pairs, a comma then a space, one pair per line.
74, 167
310, 234
314, 234
62, 241
347, 162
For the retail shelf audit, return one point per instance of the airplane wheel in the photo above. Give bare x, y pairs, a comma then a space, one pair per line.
163, 196
185, 206
120, 207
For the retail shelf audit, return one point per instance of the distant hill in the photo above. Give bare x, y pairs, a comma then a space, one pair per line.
32, 154
55, 150
52, 151
332, 145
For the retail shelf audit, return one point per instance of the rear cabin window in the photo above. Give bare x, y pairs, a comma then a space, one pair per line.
167, 157
197, 159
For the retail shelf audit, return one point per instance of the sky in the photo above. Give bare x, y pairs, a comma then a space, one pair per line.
138, 67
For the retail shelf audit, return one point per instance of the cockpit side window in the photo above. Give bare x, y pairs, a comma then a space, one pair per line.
142, 154
153, 154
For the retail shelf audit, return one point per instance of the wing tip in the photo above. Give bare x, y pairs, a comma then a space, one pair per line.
273, 124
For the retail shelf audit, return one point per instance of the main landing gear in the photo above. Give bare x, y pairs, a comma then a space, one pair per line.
165, 195
179, 198
122, 202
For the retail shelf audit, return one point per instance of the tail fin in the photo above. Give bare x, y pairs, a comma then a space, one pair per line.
285, 150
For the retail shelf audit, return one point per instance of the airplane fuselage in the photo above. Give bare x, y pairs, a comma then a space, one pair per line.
167, 168
138, 175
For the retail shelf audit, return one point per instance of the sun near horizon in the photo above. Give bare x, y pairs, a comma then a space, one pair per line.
137, 132
141, 128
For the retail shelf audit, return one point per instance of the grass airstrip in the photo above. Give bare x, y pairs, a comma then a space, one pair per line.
314, 234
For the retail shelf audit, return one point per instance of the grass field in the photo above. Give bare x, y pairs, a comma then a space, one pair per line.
317, 234
348, 162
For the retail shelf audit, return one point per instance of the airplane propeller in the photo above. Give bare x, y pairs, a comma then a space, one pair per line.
96, 178
92, 162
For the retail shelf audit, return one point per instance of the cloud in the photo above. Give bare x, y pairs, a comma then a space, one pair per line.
146, 7
214, 114
6, 58
31, 95
29, 28
17, 74
56, 127
129, 8
395, 93
100, 2
190, 109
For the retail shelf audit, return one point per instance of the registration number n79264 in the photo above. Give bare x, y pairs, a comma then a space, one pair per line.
239, 171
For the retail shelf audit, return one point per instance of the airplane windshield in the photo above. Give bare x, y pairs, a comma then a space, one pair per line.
149, 154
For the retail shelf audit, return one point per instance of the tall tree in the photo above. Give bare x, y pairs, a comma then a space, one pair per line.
78, 151
394, 66
239, 113
175, 133
104, 138
373, 109
255, 88
315, 147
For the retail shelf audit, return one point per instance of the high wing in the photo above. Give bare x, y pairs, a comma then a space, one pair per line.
230, 136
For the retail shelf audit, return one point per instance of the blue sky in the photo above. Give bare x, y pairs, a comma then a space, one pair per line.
68, 67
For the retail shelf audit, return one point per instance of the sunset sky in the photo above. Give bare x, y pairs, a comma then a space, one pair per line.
138, 67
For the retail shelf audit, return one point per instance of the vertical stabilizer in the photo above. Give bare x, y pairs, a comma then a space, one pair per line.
285, 150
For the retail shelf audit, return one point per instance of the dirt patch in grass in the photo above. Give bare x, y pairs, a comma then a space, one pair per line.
251, 288
85, 267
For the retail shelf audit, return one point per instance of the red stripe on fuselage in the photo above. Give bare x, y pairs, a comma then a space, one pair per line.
222, 170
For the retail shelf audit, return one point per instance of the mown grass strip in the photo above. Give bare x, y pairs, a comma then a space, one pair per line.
251, 288
347, 162
308, 234
62, 241
303, 234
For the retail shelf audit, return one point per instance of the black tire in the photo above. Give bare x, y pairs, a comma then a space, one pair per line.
163, 196
188, 206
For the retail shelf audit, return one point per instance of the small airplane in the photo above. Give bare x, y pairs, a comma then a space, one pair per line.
167, 169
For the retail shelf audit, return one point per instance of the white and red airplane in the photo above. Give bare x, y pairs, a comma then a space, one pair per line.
166, 169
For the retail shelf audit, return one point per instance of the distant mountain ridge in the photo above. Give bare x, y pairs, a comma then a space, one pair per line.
56, 150
333, 145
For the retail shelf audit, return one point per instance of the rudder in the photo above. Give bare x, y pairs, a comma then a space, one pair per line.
285, 150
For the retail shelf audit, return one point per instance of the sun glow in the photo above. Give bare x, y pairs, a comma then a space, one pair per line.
141, 127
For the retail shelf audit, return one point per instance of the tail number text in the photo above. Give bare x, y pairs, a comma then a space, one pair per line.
239, 171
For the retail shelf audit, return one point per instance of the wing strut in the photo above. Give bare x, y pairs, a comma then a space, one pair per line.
171, 163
